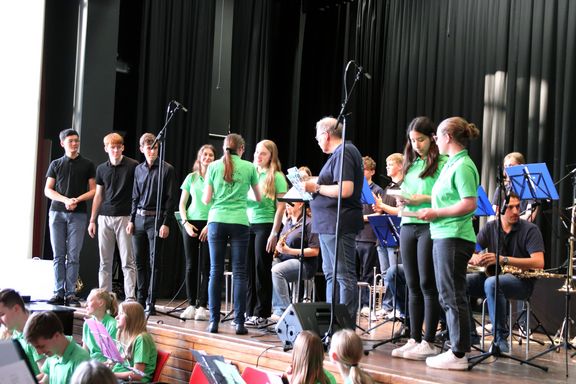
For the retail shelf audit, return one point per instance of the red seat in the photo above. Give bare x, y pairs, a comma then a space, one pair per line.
197, 376
161, 360
256, 376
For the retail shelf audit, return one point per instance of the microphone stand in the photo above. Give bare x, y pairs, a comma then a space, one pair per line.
160, 138
341, 117
494, 349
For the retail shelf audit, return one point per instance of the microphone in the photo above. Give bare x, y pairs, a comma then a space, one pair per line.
362, 72
179, 106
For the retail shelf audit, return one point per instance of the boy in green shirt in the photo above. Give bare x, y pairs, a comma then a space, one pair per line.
45, 332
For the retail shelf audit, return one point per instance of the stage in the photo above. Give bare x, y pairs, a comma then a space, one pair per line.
263, 349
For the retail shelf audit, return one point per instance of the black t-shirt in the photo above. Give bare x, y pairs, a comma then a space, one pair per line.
72, 176
293, 240
117, 181
523, 239
324, 208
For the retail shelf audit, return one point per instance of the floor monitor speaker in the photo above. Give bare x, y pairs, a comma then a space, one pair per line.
314, 317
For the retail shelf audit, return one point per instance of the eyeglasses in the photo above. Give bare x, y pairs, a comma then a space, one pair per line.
319, 135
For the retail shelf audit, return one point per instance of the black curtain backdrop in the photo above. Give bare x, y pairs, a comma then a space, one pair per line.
505, 65
175, 64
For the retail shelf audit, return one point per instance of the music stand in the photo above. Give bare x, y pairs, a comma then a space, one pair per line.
386, 227
494, 349
483, 206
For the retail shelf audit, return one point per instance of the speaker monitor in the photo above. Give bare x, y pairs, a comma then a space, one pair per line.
314, 317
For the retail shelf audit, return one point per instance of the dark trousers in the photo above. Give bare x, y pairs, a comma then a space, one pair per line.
197, 257
258, 271
366, 260
148, 259
417, 260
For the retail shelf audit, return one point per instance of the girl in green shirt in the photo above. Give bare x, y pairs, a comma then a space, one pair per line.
265, 223
227, 183
194, 219
137, 346
308, 361
346, 351
103, 306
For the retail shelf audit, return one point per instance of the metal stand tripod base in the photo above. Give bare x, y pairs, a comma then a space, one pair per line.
495, 351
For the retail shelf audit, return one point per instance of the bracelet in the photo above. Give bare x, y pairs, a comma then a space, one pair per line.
273, 233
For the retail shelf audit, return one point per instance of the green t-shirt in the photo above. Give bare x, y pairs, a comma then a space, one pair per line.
413, 184
459, 179
330, 376
229, 200
264, 211
90, 341
60, 368
144, 352
31, 353
194, 185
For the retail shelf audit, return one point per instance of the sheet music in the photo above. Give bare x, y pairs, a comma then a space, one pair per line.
104, 340
297, 182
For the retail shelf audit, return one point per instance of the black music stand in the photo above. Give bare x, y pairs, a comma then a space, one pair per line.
520, 178
386, 227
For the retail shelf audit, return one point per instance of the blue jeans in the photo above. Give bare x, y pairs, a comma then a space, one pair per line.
283, 273
346, 272
395, 274
67, 230
388, 257
509, 287
451, 258
219, 235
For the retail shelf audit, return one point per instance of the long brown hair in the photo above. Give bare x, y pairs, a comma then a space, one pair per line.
197, 167
308, 360
135, 325
425, 126
269, 184
232, 143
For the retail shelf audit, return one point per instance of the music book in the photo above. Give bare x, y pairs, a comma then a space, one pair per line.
104, 340
216, 369
297, 182
397, 192
14, 365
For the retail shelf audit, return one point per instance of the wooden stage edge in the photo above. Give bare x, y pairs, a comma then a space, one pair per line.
264, 350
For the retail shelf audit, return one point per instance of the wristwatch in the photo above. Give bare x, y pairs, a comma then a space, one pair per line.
505, 260
183, 221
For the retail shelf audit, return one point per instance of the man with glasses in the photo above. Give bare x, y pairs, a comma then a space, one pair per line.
324, 210
69, 184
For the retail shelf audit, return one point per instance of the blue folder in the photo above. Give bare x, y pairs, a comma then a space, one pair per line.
483, 206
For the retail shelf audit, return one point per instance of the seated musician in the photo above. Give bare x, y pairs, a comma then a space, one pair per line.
286, 265
522, 247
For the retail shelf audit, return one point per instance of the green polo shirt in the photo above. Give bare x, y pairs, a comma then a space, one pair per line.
31, 353
415, 185
264, 211
60, 368
229, 200
144, 352
194, 185
90, 341
330, 376
459, 179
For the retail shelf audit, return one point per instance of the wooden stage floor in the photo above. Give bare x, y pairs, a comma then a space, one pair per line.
264, 349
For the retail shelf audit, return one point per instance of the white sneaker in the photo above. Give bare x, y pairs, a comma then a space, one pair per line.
188, 313
365, 312
421, 351
394, 315
399, 352
202, 314
274, 318
448, 360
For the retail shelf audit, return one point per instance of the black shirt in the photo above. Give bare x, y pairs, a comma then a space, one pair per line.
145, 189
293, 240
324, 208
72, 176
523, 239
117, 182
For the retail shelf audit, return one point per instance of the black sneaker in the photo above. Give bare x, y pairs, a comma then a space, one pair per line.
72, 301
56, 300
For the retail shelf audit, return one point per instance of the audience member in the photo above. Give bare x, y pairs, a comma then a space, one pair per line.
346, 351
102, 306
93, 372
45, 332
308, 361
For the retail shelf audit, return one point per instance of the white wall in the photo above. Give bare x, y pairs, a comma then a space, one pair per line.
21, 38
